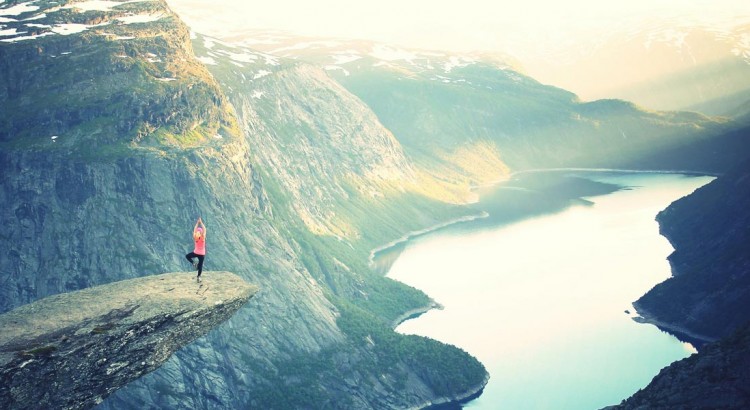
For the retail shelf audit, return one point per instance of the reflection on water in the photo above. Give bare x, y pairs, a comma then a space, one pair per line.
541, 302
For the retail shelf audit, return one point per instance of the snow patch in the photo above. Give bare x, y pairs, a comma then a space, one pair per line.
19, 9
261, 74
11, 32
340, 59
257, 94
335, 67
243, 57
141, 18
32, 37
7, 20
457, 62
166, 79
271, 60
207, 60
35, 25
70, 28
99, 5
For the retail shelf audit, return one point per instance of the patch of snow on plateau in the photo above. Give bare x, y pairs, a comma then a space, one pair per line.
243, 57
141, 18
97, 5
207, 60
261, 74
19, 9
340, 59
457, 62
32, 37
11, 32
70, 28
335, 67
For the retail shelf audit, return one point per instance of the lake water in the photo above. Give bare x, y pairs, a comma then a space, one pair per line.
541, 301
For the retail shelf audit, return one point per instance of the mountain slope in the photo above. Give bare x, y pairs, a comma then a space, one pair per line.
460, 115
670, 64
107, 186
708, 293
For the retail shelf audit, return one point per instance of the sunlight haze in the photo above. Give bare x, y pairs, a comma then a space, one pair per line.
461, 26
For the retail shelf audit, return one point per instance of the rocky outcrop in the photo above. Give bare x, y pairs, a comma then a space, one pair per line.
96, 205
716, 378
108, 72
74, 349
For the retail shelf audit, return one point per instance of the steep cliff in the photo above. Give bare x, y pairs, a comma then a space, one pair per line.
708, 295
72, 350
105, 182
715, 378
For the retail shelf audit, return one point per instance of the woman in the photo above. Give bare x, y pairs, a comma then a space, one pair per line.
199, 236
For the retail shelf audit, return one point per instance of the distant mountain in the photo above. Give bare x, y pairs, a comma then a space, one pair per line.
461, 115
662, 65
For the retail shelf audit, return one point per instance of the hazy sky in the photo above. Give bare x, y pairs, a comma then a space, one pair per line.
466, 25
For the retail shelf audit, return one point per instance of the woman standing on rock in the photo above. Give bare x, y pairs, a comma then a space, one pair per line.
199, 236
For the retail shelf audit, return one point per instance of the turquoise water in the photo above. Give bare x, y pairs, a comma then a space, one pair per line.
541, 302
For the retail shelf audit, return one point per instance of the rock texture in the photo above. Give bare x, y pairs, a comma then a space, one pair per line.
709, 295
716, 378
147, 145
74, 349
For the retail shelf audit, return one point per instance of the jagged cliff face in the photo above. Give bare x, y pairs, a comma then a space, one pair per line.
76, 71
89, 211
716, 378
105, 183
707, 297
318, 141
82, 346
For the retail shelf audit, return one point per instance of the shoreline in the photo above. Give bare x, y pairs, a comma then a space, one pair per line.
414, 234
415, 313
445, 403
682, 334
617, 171
449, 403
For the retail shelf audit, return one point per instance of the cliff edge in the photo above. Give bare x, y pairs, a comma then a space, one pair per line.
74, 349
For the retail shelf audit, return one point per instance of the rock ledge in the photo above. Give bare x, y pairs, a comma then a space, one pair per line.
72, 350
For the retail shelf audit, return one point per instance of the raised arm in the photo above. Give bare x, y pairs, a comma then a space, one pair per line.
200, 221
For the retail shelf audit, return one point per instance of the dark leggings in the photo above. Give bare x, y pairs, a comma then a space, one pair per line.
192, 255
